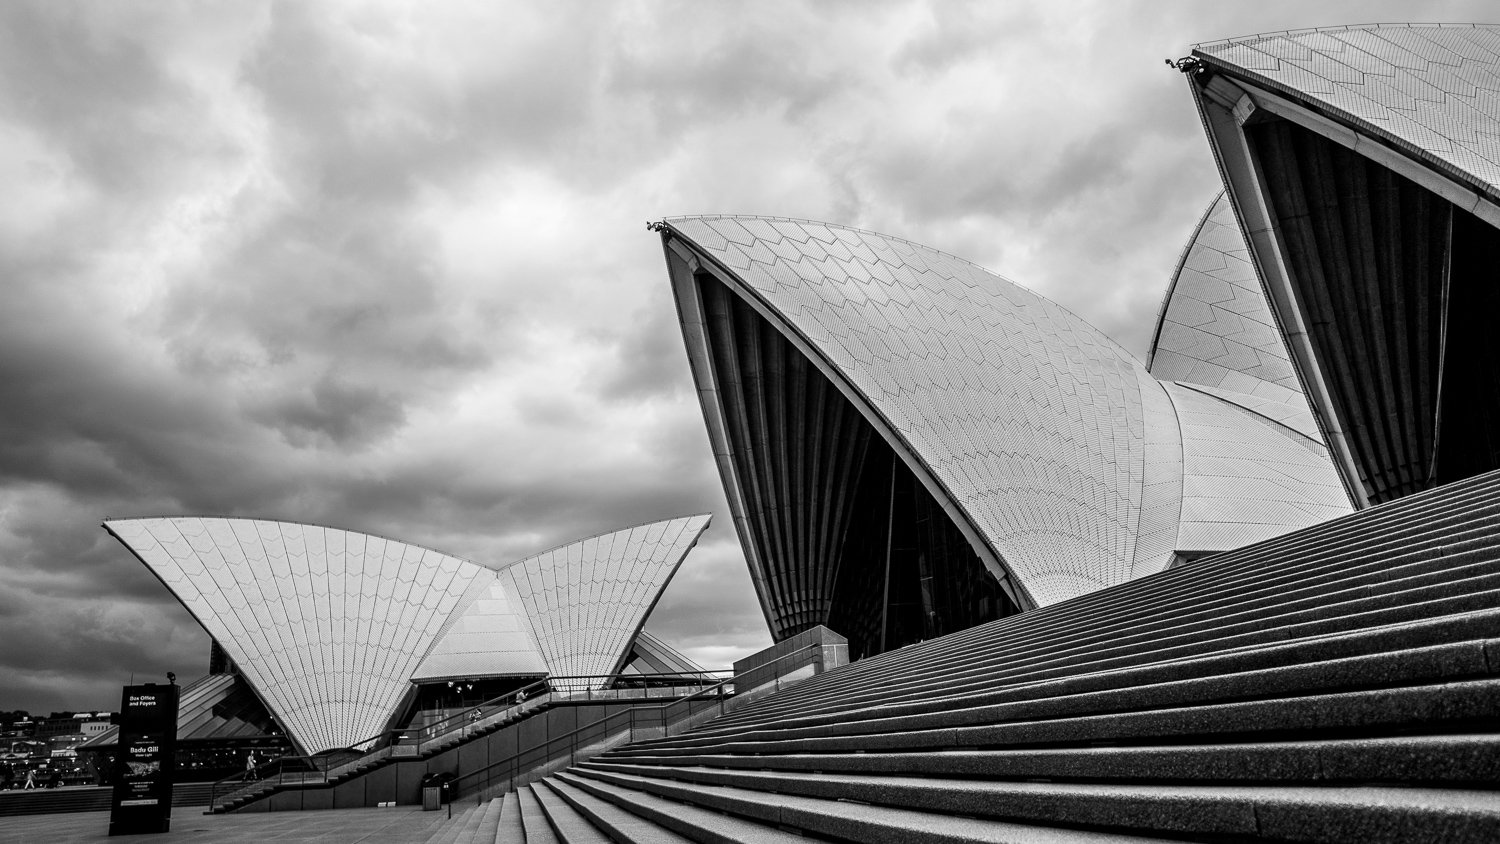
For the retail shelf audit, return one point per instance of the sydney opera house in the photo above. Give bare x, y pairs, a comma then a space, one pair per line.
1246, 589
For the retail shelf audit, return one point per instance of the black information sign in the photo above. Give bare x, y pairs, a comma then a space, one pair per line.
146, 761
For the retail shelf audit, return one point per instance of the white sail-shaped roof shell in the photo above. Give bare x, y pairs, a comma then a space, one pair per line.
1215, 328
332, 627
327, 625
588, 600
1063, 459
1247, 476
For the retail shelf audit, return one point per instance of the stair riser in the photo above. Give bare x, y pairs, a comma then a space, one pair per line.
1444, 707
1447, 579
567, 824
1435, 664
1252, 573
1466, 761
1405, 638
1191, 811
1372, 614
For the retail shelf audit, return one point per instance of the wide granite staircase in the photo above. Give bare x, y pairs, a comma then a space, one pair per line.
1337, 684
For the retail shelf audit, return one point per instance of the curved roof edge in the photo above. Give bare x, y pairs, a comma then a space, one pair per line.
1286, 65
867, 408
1216, 327
1166, 299
571, 643
599, 535
1297, 420
666, 223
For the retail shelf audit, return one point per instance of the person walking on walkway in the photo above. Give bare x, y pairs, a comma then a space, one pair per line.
30, 779
249, 767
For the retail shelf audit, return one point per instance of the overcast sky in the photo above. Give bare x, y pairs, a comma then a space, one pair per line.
385, 266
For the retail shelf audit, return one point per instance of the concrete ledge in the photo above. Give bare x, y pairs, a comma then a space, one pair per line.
821, 649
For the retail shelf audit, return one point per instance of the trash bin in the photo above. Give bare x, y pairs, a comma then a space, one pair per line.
442, 786
432, 798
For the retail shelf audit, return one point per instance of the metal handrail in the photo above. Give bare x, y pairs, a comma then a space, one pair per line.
272, 773
267, 774
546, 685
261, 779
513, 761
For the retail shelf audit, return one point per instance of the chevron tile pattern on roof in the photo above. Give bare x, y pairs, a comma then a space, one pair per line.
1215, 327
587, 600
1432, 90
326, 624
1247, 478
1297, 416
1031, 418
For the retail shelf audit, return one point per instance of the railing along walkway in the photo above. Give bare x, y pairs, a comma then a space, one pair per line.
639, 722
410, 743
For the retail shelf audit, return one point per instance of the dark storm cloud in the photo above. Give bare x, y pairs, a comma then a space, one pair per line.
347, 414
383, 267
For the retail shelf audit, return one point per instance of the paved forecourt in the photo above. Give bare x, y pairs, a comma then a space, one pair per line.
398, 825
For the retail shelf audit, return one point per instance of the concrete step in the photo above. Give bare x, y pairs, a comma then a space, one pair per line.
1456, 706
1462, 760
1341, 684
683, 818
464, 832
1380, 641
448, 832
485, 830
47, 801
859, 820
619, 825
1356, 815
533, 820
1188, 624
1306, 615
1137, 594
510, 829
569, 826
1395, 658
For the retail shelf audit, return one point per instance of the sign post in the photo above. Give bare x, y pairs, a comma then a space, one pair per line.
146, 761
